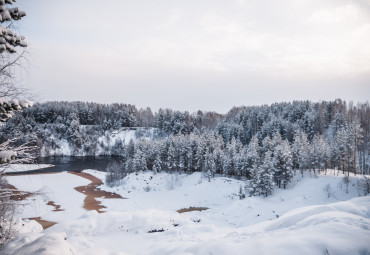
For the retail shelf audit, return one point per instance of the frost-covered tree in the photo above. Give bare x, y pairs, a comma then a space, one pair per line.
139, 162
10, 150
209, 166
172, 157
319, 153
355, 137
340, 148
157, 165
252, 156
200, 153
9, 40
283, 164
262, 182
10, 59
300, 151
74, 132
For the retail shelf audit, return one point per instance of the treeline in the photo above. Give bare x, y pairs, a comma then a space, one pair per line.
339, 129
266, 163
114, 116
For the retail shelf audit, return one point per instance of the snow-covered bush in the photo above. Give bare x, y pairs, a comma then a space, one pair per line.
7, 156
364, 185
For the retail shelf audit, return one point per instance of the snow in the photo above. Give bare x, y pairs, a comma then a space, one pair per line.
306, 218
56, 187
23, 167
46, 244
6, 156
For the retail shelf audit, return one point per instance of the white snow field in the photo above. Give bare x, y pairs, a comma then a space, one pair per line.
312, 216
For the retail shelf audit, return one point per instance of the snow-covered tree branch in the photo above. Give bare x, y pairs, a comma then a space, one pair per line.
13, 150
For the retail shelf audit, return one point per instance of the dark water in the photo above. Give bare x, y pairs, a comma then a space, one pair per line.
74, 164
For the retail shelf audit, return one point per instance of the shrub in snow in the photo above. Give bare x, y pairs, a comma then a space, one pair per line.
364, 185
346, 181
115, 172
7, 156
328, 190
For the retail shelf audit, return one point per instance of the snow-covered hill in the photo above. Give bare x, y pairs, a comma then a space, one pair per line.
313, 216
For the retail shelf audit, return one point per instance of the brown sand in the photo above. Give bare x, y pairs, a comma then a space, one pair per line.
56, 207
190, 209
44, 223
90, 203
17, 196
91, 191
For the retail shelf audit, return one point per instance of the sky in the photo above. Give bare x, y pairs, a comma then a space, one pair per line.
188, 55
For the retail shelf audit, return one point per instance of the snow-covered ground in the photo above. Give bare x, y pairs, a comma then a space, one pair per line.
23, 167
313, 216
56, 187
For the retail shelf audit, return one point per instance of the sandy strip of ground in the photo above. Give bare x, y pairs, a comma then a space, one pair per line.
190, 209
92, 192
56, 207
44, 223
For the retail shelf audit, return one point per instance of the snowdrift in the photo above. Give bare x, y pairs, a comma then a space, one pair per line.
337, 228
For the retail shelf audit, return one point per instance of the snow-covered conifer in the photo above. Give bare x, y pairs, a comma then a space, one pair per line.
253, 157
262, 182
283, 164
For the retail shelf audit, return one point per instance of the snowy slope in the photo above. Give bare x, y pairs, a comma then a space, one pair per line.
307, 218
337, 228
221, 195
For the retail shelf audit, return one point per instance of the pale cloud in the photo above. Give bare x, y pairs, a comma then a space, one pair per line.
146, 52
347, 13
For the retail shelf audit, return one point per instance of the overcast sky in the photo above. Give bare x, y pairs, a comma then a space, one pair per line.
191, 54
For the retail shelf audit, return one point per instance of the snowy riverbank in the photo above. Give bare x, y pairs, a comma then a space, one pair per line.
12, 168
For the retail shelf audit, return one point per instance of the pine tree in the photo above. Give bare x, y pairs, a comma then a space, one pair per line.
283, 164
262, 182
266, 175
253, 149
319, 153
74, 133
139, 161
209, 166
157, 165
355, 138
255, 182
200, 153
340, 148
172, 158
301, 152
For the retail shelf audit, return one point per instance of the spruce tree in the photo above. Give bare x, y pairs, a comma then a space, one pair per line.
283, 164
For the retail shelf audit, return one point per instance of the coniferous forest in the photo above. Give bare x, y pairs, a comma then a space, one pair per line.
262, 143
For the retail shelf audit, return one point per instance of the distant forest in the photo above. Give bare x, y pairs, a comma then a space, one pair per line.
303, 135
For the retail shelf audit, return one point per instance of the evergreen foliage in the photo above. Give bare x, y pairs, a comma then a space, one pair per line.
252, 143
